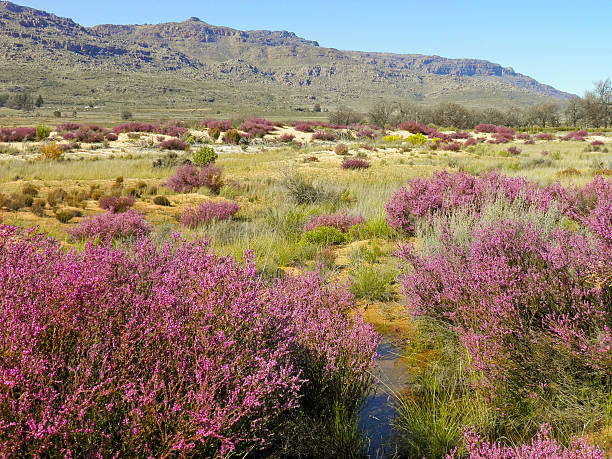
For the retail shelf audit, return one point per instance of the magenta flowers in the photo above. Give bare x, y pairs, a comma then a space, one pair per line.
208, 211
153, 349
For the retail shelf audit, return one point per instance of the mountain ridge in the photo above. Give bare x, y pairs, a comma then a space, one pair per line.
235, 65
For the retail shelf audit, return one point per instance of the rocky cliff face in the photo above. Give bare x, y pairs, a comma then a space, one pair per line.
31, 39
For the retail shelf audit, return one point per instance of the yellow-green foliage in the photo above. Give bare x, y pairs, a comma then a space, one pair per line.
392, 138
416, 139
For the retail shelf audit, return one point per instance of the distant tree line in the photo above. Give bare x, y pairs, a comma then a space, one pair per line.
22, 101
592, 110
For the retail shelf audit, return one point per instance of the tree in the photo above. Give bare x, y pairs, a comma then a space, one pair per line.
317, 108
603, 95
453, 115
344, 116
545, 113
574, 111
39, 101
126, 114
381, 114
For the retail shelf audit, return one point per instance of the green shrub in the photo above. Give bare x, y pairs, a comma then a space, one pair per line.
373, 283
303, 191
161, 201
323, 235
204, 156
42, 132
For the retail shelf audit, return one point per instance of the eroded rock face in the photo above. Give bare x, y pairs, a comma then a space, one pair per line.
245, 59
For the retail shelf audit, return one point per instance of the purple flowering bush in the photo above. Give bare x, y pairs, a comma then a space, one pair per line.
341, 221
157, 349
190, 177
355, 164
209, 211
521, 277
17, 134
111, 225
542, 446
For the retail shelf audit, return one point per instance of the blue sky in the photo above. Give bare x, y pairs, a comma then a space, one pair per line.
566, 44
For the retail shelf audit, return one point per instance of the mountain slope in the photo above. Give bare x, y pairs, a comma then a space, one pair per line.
192, 62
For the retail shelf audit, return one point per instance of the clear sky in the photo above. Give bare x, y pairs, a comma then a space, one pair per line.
566, 44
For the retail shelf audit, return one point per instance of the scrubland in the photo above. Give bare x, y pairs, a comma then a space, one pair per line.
220, 291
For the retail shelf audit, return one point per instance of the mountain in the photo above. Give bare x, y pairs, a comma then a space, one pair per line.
192, 63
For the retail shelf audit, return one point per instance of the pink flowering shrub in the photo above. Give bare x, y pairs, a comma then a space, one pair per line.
453, 146
324, 135
116, 204
111, 136
341, 221
469, 142
523, 136
286, 138
533, 295
222, 125
165, 348
173, 128
303, 127
445, 191
69, 127
544, 136
486, 128
190, 177
174, 144
415, 128
540, 447
460, 135
111, 225
597, 143
209, 211
355, 164
257, 127
17, 134
514, 150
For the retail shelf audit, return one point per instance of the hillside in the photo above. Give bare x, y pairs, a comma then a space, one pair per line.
192, 63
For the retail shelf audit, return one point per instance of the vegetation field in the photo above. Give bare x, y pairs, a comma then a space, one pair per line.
215, 289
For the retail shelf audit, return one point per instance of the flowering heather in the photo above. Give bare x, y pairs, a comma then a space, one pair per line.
540, 447
460, 135
111, 136
324, 135
453, 146
303, 127
533, 294
286, 138
471, 141
597, 143
111, 225
257, 127
17, 134
232, 137
174, 144
209, 211
116, 204
87, 136
415, 128
341, 221
190, 177
514, 150
222, 125
163, 348
445, 191
136, 126
544, 136
576, 135
172, 129
523, 136
69, 127
355, 163
486, 128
